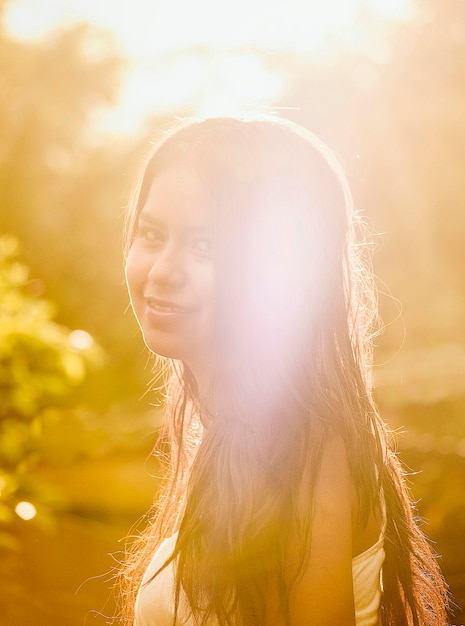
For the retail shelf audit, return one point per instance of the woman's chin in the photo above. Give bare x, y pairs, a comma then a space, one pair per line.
161, 349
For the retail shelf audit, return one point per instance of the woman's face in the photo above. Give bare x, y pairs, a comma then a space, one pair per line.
169, 268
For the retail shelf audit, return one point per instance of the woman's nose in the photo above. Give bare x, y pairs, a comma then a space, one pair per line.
168, 268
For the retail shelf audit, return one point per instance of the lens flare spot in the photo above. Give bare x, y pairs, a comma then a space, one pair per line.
26, 510
80, 340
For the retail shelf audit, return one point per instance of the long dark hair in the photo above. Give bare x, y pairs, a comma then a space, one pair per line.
291, 370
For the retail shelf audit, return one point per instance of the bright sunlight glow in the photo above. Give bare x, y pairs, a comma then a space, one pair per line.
202, 55
152, 28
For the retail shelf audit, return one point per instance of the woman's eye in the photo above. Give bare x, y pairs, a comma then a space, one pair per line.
204, 246
150, 236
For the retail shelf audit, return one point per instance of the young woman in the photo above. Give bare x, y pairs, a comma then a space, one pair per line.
284, 504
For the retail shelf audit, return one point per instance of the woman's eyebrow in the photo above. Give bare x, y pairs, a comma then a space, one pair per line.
145, 216
148, 218
200, 229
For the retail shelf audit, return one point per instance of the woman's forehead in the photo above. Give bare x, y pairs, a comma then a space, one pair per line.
177, 195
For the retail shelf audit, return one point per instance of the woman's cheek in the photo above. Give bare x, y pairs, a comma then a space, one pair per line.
135, 274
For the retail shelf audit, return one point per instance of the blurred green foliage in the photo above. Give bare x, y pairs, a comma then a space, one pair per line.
41, 363
64, 186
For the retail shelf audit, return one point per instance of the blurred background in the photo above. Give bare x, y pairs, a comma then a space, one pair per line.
85, 86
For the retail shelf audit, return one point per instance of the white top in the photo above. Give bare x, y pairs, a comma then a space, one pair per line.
155, 600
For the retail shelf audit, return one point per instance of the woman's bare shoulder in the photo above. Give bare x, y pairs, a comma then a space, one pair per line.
334, 485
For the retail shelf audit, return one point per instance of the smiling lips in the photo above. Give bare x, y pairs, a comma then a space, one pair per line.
164, 308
